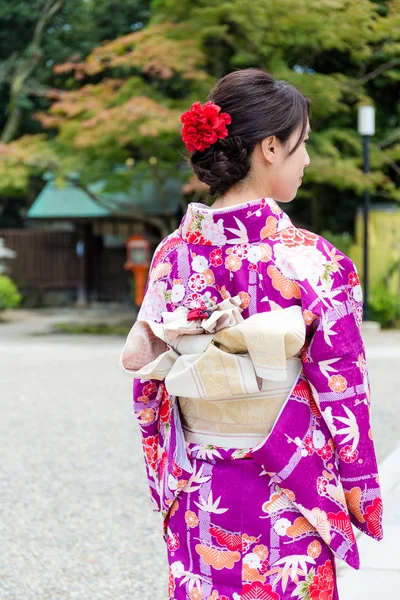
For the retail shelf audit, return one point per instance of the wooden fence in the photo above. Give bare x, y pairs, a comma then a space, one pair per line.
45, 259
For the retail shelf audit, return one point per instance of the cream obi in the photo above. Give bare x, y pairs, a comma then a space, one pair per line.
231, 375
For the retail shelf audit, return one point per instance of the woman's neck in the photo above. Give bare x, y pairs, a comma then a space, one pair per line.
239, 196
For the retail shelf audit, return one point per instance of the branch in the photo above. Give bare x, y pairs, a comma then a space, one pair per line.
390, 161
384, 67
22, 74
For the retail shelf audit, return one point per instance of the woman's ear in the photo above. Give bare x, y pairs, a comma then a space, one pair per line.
268, 147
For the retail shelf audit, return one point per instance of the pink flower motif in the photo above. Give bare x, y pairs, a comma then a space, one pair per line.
359, 315
253, 267
322, 484
353, 279
240, 250
173, 542
325, 452
308, 445
348, 454
216, 257
197, 282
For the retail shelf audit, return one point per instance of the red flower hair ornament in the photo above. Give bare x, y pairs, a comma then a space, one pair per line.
203, 126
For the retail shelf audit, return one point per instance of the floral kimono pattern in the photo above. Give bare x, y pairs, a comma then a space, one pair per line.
315, 475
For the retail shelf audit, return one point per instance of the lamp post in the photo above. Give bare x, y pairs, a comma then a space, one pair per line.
366, 128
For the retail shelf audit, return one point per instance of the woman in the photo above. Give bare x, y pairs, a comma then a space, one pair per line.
251, 386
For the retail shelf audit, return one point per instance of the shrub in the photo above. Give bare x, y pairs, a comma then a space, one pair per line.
384, 306
9, 295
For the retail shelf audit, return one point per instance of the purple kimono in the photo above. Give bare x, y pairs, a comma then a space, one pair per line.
264, 522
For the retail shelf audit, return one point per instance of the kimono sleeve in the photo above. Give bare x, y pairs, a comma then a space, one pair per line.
335, 365
150, 399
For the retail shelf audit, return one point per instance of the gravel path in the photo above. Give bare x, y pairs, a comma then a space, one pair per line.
76, 522
75, 519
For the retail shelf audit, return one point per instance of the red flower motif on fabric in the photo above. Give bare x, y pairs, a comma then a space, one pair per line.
176, 469
354, 279
173, 542
203, 126
149, 389
163, 464
373, 517
323, 583
171, 584
197, 282
240, 250
264, 566
165, 409
258, 591
216, 257
322, 484
348, 454
308, 445
196, 237
150, 447
325, 452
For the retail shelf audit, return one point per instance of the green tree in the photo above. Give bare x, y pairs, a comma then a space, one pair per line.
121, 104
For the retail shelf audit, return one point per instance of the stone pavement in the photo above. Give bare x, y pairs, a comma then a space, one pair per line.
379, 576
76, 522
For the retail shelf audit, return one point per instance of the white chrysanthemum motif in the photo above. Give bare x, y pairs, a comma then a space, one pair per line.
318, 439
252, 560
300, 262
281, 526
357, 293
177, 568
177, 293
199, 264
254, 254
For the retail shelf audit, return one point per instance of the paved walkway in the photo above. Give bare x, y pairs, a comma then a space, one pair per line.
76, 522
379, 576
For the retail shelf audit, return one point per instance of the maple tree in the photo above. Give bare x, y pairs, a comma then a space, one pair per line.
120, 105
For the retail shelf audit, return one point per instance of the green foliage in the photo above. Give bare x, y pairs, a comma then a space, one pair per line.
122, 99
384, 306
9, 295
341, 241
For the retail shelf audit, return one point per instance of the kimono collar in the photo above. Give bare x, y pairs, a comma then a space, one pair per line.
241, 224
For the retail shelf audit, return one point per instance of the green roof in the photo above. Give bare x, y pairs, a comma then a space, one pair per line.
70, 202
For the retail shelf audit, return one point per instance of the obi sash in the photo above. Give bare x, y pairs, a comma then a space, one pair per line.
222, 357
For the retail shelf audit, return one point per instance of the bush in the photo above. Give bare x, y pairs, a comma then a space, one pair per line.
341, 241
384, 306
9, 295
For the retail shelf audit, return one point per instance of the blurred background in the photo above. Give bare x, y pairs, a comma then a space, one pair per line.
91, 92
92, 176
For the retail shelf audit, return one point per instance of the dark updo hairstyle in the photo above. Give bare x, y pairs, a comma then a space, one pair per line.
260, 106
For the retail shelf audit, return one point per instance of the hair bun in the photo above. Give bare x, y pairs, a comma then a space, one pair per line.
223, 164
